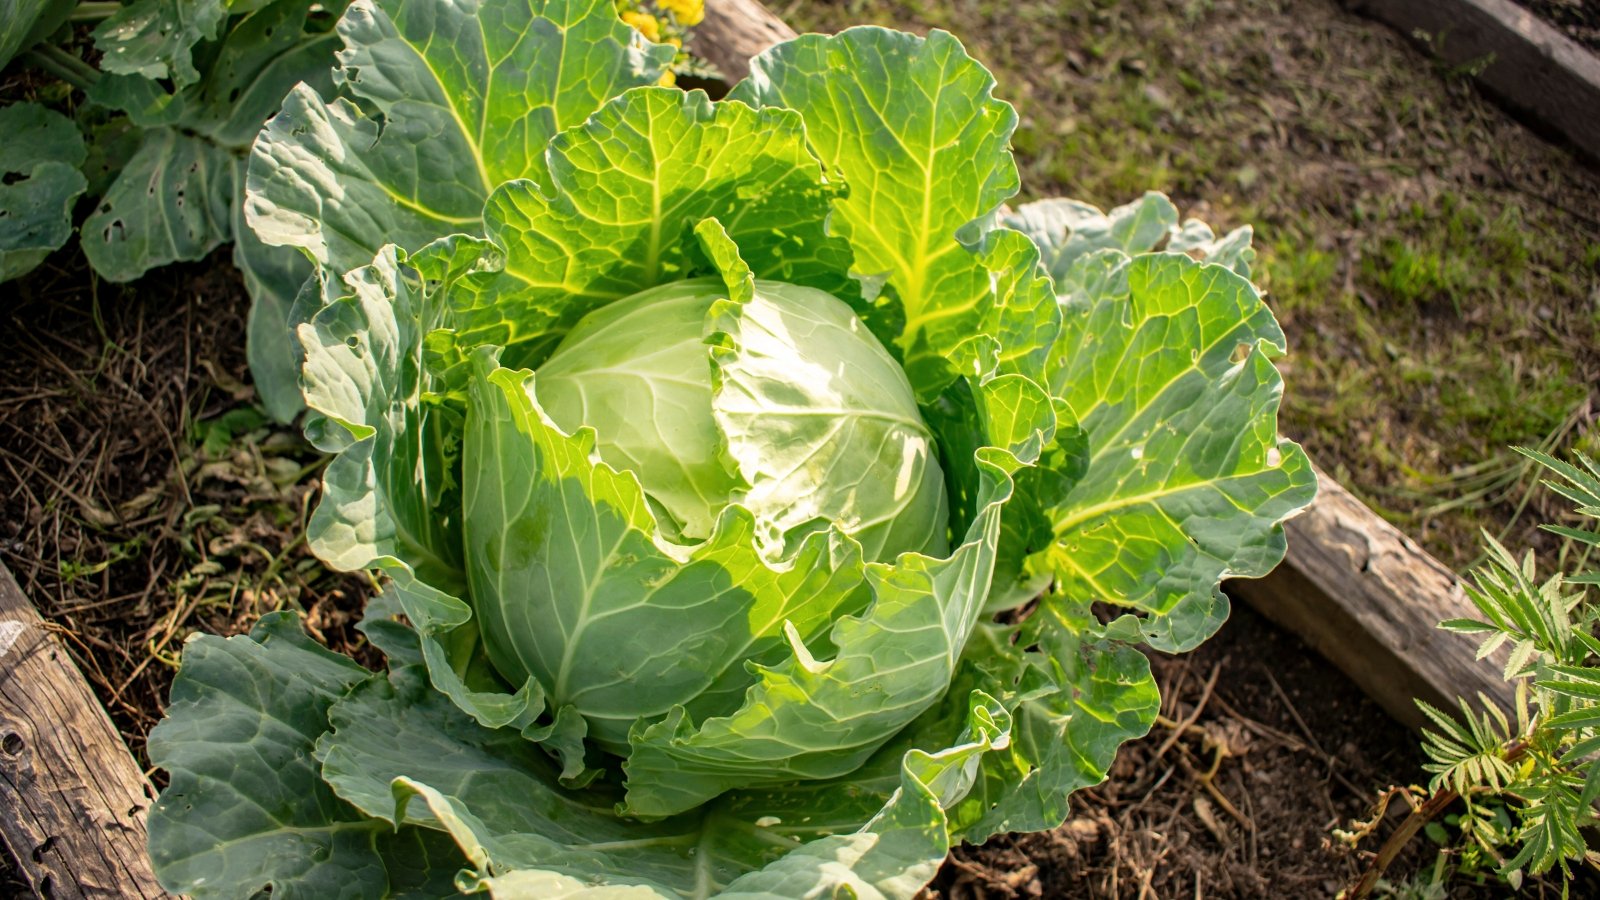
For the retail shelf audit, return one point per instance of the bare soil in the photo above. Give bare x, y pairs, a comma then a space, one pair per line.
147, 499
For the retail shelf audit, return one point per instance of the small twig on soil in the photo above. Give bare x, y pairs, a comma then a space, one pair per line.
1206, 780
1194, 715
1294, 713
1363, 828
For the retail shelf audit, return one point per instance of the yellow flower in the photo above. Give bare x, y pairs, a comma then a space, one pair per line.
645, 23
687, 12
668, 79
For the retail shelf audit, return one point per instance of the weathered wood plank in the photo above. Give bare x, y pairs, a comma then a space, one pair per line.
1369, 599
72, 800
1526, 63
734, 31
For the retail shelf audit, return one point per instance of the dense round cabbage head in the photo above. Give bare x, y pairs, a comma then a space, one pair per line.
834, 436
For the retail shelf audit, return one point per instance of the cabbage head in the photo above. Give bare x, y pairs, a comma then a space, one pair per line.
748, 481
837, 437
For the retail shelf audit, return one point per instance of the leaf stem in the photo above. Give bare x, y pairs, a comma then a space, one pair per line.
1431, 809
62, 65
94, 10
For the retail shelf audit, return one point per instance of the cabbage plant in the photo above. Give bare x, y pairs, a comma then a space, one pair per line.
763, 506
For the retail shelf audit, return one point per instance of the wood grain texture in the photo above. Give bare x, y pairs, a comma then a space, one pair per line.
1369, 599
734, 31
72, 800
1526, 63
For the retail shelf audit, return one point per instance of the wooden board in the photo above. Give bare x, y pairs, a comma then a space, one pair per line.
1515, 55
734, 31
72, 800
1369, 599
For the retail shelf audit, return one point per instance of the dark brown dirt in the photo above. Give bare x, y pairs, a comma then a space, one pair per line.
146, 500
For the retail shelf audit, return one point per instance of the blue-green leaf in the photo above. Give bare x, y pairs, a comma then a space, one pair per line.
247, 809
39, 161
173, 202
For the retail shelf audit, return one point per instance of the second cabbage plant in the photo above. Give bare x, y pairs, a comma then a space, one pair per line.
764, 506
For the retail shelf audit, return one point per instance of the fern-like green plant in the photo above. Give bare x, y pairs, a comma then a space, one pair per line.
1538, 760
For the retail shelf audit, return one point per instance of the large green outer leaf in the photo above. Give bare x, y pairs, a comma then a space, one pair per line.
247, 808
912, 125
469, 93
1074, 697
172, 202
384, 494
259, 59
1166, 365
404, 754
276, 278
155, 39
42, 151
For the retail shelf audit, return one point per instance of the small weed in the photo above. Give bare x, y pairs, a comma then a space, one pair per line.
214, 436
75, 570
